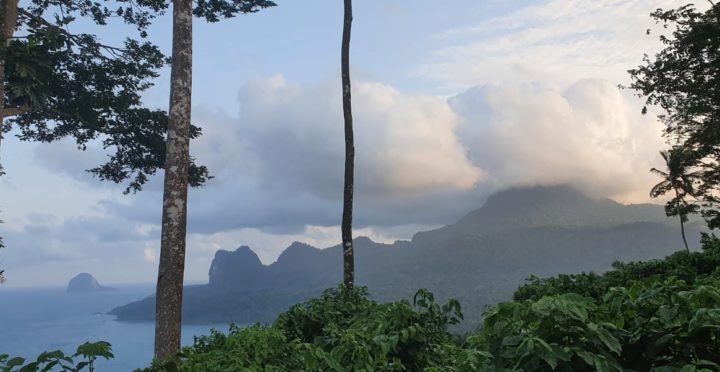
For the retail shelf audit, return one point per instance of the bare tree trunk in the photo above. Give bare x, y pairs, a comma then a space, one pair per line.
348, 254
9, 21
682, 217
168, 313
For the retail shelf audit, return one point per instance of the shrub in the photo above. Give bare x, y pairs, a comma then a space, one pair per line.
342, 330
86, 355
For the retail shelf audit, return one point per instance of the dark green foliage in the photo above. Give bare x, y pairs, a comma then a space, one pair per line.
679, 181
213, 10
71, 85
62, 84
83, 359
677, 178
342, 330
684, 81
681, 265
661, 315
306, 321
563, 332
256, 348
648, 325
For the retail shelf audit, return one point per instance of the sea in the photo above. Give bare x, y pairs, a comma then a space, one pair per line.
45, 319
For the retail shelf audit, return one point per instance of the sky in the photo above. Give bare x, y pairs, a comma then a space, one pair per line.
453, 101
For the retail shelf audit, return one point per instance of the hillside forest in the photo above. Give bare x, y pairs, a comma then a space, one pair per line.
436, 303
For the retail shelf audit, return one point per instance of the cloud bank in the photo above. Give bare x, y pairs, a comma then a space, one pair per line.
419, 159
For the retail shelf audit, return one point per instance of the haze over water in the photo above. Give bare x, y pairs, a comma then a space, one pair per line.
33, 320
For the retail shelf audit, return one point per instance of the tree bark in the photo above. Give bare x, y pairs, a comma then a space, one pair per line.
174, 217
9, 22
346, 229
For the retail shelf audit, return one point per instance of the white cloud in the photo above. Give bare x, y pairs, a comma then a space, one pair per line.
557, 41
279, 165
589, 136
404, 144
419, 160
149, 254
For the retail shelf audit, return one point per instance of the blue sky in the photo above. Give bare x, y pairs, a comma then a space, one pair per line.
300, 40
453, 100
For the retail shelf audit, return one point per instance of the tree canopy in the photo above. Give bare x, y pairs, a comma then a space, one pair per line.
679, 179
683, 80
62, 84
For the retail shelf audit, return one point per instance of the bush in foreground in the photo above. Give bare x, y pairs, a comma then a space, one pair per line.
339, 331
83, 359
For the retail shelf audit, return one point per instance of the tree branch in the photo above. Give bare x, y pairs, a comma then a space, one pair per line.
14, 111
75, 38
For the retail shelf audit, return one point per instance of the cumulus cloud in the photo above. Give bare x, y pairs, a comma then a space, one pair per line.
420, 160
405, 144
589, 135
279, 163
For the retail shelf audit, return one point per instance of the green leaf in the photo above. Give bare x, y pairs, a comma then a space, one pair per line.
667, 313
659, 345
31, 367
601, 364
15, 362
586, 356
609, 340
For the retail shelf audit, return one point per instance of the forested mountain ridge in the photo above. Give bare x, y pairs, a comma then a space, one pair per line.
479, 260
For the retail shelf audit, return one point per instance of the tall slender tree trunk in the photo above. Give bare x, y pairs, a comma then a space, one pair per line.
348, 253
682, 217
168, 313
9, 21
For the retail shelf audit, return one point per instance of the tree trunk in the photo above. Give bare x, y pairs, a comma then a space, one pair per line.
682, 223
348, 254
174, 217
9, 21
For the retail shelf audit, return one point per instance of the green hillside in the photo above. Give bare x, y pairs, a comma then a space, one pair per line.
479, 260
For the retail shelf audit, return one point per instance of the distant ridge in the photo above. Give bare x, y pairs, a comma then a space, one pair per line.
548, 206
85, 283
479, 260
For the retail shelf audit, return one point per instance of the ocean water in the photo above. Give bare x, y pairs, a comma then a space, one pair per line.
41, 319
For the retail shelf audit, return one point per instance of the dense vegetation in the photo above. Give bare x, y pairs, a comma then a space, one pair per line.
661, 315
683, 81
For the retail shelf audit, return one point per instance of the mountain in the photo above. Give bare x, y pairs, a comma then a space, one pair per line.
85, 283
480, 260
